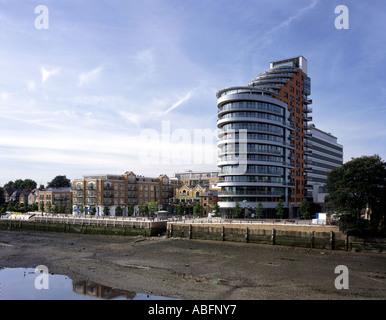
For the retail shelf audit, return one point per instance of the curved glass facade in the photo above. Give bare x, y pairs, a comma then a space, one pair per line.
254, 131
263, 135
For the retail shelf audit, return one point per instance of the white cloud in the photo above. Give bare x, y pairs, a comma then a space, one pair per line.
88, 76
48, 73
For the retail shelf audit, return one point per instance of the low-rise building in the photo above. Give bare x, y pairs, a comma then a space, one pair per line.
54, 199
208, 201
109, 194
207, 179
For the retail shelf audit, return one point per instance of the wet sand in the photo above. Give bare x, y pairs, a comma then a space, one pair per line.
196, 270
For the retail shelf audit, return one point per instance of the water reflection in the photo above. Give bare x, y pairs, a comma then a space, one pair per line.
19, 284
95, 290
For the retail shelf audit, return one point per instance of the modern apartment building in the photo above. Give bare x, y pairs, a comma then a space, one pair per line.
264, 138
113, 191
327, 154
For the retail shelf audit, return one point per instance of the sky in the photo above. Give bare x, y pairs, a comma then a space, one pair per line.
97, 87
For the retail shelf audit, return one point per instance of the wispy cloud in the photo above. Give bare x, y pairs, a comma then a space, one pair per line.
88, 76
177, 104
48, 73
290, 19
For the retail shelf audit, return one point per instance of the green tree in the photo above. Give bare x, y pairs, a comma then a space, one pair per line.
2, 198
237, 211
59, 182
25, 204
357, 186
106, 211
34, 207
152, 206
93, 211
49, 207
259, 210
280, 208
59, 208
42, 206
69, 208
10, 207
118, 211
26, 184
305, 209
130, 210
216, 210
180, 209
197, 209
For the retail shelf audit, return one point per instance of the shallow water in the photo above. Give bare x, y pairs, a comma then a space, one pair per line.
25, 284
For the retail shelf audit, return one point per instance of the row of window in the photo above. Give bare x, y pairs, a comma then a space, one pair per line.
255, 105
263, 127
253, 169
259, 115
253, 191
252, 148
260, 179
255, 157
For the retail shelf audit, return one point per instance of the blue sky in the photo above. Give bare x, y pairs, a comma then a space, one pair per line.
82, 96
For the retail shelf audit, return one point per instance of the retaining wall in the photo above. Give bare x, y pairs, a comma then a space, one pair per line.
132, 229
326, 237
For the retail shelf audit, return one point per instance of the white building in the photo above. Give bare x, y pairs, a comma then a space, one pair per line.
326, 155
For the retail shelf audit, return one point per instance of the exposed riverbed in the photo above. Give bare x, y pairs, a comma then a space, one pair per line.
192, 269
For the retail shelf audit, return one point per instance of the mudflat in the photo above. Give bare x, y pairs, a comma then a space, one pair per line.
195, 269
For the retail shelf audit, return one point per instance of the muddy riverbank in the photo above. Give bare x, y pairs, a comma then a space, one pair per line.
194, 269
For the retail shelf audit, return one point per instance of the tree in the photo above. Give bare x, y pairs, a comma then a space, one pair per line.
143, 209
93, 211
49, 207
305, 209
20, 184
259, 210
280, 208
216, 210
69, 208
106, 211
152, 206
59, 208
356, 187
237, 211
59, 182
118, 211
2, 198
34, 207
10, 207
25, 204
130, 210
197, 209
180, 209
